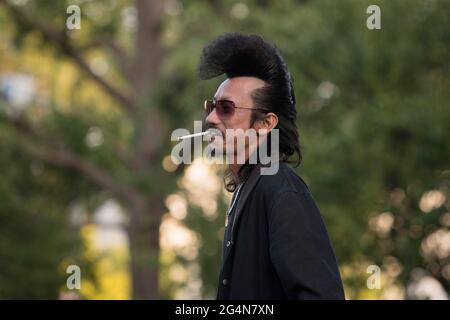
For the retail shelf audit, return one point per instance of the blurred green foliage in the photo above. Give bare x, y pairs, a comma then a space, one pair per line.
373, 118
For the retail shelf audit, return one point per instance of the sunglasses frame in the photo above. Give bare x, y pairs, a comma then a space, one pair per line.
221, 116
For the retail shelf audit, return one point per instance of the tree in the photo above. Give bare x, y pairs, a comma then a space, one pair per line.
372, 115
141, 156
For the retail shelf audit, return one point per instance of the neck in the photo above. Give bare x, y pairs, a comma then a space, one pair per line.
234, 166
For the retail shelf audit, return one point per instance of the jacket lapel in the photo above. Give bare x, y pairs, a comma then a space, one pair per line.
245, 192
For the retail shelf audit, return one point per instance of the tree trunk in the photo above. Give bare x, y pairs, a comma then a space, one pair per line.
143, 233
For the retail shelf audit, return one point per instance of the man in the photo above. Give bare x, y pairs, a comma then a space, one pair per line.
275, 245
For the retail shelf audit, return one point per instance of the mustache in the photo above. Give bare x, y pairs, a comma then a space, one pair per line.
214, 129
211, 126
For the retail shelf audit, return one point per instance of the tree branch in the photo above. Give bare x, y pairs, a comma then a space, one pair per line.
53, 152
61, 40
119, 53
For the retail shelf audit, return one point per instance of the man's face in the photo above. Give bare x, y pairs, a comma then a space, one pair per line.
238, 90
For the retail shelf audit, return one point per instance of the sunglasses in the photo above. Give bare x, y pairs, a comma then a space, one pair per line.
224, 108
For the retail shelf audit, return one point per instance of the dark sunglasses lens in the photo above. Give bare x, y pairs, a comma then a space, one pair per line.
225, 109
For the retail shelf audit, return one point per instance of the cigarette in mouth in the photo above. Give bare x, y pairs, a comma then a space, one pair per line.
194, 135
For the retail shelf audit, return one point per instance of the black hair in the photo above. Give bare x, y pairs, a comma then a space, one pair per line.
237, 55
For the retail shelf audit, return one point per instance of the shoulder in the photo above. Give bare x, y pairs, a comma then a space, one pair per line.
286, 197
285, 179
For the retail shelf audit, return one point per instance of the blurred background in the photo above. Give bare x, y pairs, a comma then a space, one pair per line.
86, 116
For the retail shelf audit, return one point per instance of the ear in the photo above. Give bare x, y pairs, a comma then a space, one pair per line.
266, 124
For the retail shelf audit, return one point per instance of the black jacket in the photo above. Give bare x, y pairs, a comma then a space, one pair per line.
276, 245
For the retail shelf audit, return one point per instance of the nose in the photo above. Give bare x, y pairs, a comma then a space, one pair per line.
212, 118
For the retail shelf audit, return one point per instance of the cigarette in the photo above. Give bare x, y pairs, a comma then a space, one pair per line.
193, 135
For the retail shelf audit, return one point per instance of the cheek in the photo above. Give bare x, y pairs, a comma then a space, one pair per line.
240, 120
243, 124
